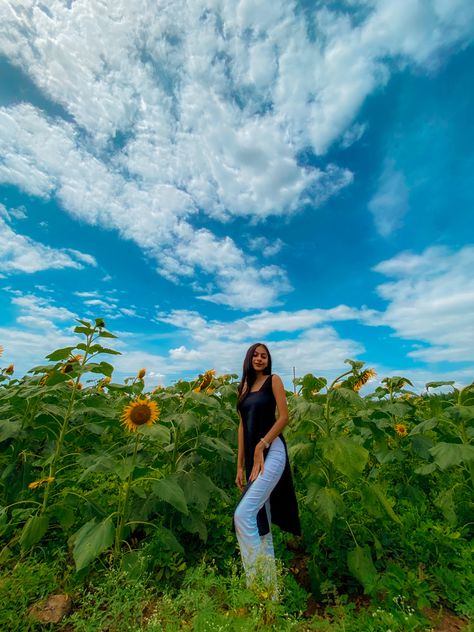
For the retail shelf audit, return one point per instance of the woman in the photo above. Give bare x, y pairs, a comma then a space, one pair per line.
269, 495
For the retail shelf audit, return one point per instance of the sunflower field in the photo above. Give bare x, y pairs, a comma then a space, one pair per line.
122, 499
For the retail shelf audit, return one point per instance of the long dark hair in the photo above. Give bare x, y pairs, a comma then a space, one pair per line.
248, 372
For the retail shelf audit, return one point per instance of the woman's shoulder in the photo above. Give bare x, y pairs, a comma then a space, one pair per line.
276, 380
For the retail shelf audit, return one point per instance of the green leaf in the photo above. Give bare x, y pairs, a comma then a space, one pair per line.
106, 334
159, 433
167, 540
327, 503
346, 395
428, 424
195, 524
449, 454
169, 490
96, 463
110, 351
439, 384
361, 566
346, 456
64, 514
373, 496
197, 489
33, 531
9, 429
445, 502
91, 540
82, 330
60, 354
424, 470
102, 367
217, 444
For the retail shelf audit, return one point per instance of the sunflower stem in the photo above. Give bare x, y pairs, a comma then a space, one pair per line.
122, 510
64, 427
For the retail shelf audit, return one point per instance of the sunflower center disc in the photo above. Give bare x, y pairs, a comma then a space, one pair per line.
140, 414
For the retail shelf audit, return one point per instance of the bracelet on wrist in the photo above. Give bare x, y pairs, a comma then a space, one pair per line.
265, 443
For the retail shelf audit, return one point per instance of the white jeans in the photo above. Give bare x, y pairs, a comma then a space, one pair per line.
257, 552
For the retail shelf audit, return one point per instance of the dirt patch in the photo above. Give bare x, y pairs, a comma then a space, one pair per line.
52, 610
445, 621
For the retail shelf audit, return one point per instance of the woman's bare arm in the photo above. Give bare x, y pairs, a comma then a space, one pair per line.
239, 479
280, 422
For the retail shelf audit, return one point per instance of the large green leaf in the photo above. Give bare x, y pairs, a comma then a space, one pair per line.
374, 499
64, 513
169, 490
428, 424
445, 502
60, 354
449, 454
197, 488
361, 566
158, 432
327, 503
96, 463
33, 531
195, 524
346, 456
9, 429
219, 446
91, 540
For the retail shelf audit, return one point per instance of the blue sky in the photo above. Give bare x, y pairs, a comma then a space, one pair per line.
204, 175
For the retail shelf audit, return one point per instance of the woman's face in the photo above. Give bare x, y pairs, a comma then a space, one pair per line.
260, 359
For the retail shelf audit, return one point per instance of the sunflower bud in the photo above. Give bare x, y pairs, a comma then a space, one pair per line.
9, 370
141, 374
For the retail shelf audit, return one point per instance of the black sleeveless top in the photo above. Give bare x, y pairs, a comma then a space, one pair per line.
258, 411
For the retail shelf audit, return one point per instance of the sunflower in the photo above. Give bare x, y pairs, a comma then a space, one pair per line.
141, 412
401, 430
141, 374
69, 366
10, 369
42, 481
363, 378
205, 381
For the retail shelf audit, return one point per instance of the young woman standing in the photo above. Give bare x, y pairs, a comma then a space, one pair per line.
269, 495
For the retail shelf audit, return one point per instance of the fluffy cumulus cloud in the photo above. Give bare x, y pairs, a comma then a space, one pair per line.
431, 300
304, 339
19, 253
172, 109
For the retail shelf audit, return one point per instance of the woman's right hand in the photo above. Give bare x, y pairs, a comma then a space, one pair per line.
240, 479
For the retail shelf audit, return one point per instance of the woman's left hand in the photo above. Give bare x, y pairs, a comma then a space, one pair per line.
258, 463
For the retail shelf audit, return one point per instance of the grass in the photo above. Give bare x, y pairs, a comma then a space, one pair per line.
109, 600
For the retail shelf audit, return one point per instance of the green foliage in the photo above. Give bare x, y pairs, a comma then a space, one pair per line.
78, 486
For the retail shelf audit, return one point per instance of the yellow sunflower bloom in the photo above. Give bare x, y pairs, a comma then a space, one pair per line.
69, 366
364, 377
401, 430
206, 380
42, 481
141, 412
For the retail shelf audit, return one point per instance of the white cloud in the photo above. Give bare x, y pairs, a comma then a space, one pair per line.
390, 202
431, 300
38, 307
19, 253
311, 344
179, 107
